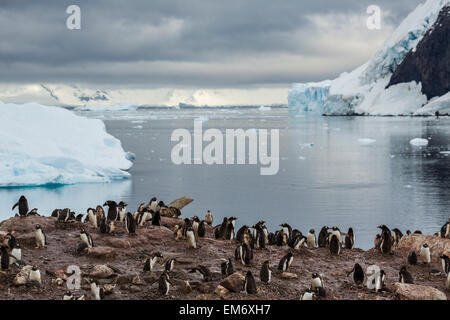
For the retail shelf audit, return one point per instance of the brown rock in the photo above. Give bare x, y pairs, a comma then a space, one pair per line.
203, 297
289, 275
109, 288
406, 291
234, 282
102, 252
415, 241
221, 291
185, 287
101, 271
137, 281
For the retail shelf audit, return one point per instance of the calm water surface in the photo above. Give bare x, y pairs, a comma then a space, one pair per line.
327, 176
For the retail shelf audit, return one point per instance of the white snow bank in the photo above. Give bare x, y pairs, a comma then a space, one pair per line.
418, 142
42, 145
102, 107
441, 104
363, 90
366, 141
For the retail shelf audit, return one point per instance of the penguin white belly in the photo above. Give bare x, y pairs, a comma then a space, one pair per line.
316, 283
92, 218
286, 232
299, 244
35, 275
152, 263
167, 287
16, 255
122, 214
337, 234
308, 296
425, 254
85, 239
311, 241
447, 284
195, 227
95, 290
40, 238
191, 239
270, 276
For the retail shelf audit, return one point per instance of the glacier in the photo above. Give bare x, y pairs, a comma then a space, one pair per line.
42, 145
362, 91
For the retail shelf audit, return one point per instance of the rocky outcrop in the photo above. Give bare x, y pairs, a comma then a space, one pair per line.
234, 282
415, 241
430, 62
406, 291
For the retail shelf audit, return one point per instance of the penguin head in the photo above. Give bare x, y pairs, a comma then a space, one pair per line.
158, 254
408, 232
350, 230
37, 226
22, 198
312, 231
152, 199
68, 293
17, 246
402, 269
161, 204
196, 219
425, 245
289, 254
315, 275
82, 230
34, 268
444, 256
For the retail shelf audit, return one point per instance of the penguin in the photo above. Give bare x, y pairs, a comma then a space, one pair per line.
287, 230
445, 230
23, 206
229, 233
186, 226
412, 258
209, 218
97, 291
203, 272
92, 218
425, 253
335, 231
285, 262
34, 277
244, 254
178, 233
317, 285
298, 242
265, 275
311, 239
170, 264
271, 238
143, 217
201, 229
408, 232
122, 211
190, 238
308, 295
386, 240
11, 240
357, 274
349, 239
335, 245
164, 284
113, 210
153, 203
220, 231
376, 243
130, 224
195, 222
16, 255
33, 212
5, 258
86, 238
100, 214
227, 267
445, 263
398, 235
280, 238
379, 281
79, 217
404, 276
103, 226
323, 237
39, 235
248, 240
55, 213
151, 261
240, 233
156, 219
250, 284
64, 215
417, 232
259, 236
68, 295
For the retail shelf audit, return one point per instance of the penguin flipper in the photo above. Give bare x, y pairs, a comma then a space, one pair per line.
14, 206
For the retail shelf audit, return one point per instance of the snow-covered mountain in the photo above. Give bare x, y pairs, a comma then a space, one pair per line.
367, 90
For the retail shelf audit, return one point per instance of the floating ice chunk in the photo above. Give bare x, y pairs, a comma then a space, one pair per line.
418, 142
366, 141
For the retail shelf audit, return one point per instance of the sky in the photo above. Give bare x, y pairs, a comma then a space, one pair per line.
199, 51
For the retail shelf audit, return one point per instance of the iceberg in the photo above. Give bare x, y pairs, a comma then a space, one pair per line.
363, 91
42, 145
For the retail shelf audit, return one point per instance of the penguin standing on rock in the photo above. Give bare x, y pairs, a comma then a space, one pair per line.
412, 258
335, 245
380, 281
91, 217
240, 233
86, 238
376, 242
445, 230
398, 235
113, 210
229, 233
190, 238
227, 267
97, 291
34, 278
39, 235
23, 206
12, 241
16, 255
203, 271
170, 264
357, 274
220, 231
164, 284
311, 239
285, 262
349, 239
130, 224
317, 285
122, 211
151, 261
286, 231
250, 283
323, 237
404, 276
209, 218
156, 219
425, 253
5, 258
445, 263
386, 240
201, 229
266, 272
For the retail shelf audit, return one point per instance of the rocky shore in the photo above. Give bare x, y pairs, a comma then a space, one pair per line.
117, 261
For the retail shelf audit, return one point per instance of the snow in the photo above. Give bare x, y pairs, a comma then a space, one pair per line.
419, 142
366, 141
362, 91
441, 104
41, 145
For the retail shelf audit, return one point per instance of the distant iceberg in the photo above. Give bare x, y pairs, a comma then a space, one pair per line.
362, 91
41, 145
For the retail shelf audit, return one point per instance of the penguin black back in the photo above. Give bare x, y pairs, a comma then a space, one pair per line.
349, 239
250, 283
5, 258
323, 237
335, 246
404, 276
130, 223
357, 274
201, 229
23, 206
156, 220
112, 210
412, 258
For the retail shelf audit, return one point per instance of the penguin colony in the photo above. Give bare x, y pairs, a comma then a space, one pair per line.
247, 240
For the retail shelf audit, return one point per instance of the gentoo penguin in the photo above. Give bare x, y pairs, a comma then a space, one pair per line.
64, 215
122, 210
130, 224
100, 214
164, 284
39, 235
113, 210
156, 219
379, 281
151, 261
445, 230
287, 230
190, 238
186, 226
240, 233
398, 235
35, 276
33, 212
23, 206
412, 258
323, 237
195, 222
97, 291
357, 274
229, 233
201, 229
227, 267
317, 284
5, 258
376, 243
16, 255
153, 204
68, 295
335, 231
404, 276
209, 218
220, 231
244, 254
280, 238
445, 263
178, 233
298, 241
335, 245
203, 272
92, 217
250, 283
425, 253
285, 262
349, 239
266, 272
311, 239
386, 239
79, 217
143, 217
259, 236
308, 295
170, 264
86, 238
11, 240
